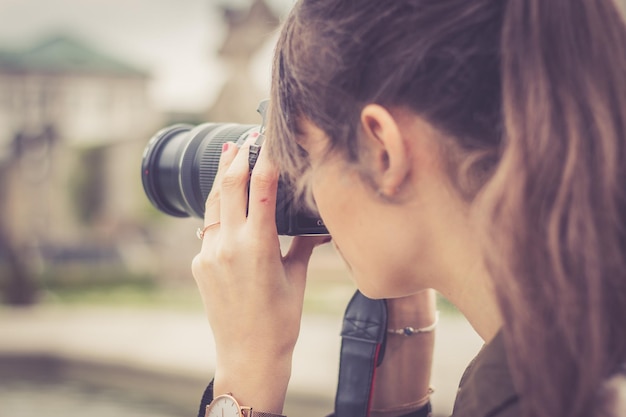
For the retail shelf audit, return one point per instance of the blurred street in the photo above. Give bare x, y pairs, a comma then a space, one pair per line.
169, 355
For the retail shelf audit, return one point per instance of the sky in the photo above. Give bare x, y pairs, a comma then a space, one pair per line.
174, 40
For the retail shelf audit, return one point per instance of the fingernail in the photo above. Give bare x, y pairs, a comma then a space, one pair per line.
225, 146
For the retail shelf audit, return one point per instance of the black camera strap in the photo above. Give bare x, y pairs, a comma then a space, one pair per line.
362, 350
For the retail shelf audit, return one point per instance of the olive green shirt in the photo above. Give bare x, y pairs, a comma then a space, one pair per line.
486, 388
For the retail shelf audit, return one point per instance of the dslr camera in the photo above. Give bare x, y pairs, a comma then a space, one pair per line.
180, 162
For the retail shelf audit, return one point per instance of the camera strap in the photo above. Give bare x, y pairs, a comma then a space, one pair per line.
362, 350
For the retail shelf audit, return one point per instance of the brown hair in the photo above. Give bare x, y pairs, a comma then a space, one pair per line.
533, 92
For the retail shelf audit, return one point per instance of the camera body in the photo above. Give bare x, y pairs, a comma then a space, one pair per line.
180, 162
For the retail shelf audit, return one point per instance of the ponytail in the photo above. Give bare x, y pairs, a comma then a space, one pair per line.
558, 201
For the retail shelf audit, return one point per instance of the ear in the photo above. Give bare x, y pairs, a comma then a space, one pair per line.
390, 157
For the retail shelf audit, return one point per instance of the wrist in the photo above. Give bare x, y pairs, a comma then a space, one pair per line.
261, 384
404, 375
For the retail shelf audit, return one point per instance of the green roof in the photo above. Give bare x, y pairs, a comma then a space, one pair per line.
64, 54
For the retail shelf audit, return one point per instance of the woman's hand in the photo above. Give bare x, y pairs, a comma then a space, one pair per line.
252, 295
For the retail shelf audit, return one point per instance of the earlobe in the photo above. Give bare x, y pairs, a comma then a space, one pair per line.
388, 148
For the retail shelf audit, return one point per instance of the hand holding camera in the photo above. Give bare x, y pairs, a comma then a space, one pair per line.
252, 294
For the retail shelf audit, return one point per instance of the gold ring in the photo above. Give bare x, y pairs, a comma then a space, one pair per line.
200, 232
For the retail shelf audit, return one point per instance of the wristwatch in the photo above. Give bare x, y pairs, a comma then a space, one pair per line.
227, 406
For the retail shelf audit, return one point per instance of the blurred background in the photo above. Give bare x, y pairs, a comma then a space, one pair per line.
83, 86
99, 309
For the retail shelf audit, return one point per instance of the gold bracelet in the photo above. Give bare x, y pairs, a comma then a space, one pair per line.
410, 331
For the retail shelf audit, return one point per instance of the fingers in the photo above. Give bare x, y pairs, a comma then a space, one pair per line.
234, 191
229, 202
213, 209
262, 200
212, 204
300, 251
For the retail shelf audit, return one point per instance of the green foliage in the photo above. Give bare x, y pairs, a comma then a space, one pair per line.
328, 291
445, 306
112, 285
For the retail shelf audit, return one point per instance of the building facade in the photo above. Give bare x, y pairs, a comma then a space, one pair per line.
73, 124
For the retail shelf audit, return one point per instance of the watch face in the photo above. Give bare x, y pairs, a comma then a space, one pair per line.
223, 406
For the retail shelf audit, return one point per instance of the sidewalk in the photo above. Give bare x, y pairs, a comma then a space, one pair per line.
179, 345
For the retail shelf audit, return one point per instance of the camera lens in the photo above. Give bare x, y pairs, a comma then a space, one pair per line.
180, 163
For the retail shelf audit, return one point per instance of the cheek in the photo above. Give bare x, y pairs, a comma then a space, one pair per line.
334, 200
376, 255
338, 207
341, 207
326, 204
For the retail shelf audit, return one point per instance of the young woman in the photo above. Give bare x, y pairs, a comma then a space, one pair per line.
477, 148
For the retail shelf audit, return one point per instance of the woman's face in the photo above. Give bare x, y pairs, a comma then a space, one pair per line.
385, 245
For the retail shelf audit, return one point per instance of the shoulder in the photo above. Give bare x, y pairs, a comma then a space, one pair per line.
486, 388
613, 395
